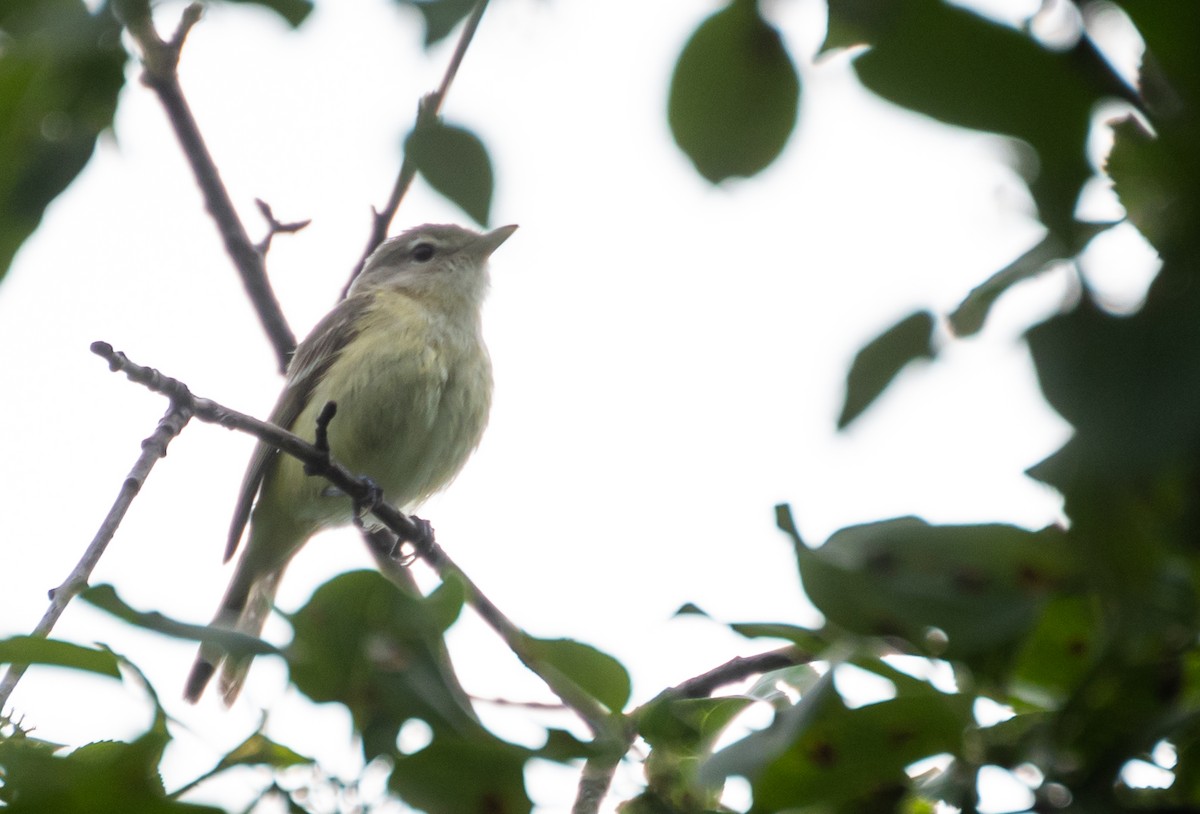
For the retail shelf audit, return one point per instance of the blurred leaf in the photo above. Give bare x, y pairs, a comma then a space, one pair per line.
861, 754
688, 725
681, 733
100, 778
734, 94
562, 746
750, 756
840, 755
1059, 652
597, 673
455, 163
293, 11
969, 316
457, 776
882, 359
366, 644
982, 586
105, 598
36, 650
61, 69
1130, 385
259, 750
441, 16
943, 61
256, 750
811, 641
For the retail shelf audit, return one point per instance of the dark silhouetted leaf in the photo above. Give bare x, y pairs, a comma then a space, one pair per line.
882, 359
981, 585
452, 776
441, 16
456, 164
734, 94
60, 72
293, 11
941, 60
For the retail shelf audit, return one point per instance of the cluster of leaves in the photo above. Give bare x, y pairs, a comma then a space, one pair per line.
62, 67
1087, 635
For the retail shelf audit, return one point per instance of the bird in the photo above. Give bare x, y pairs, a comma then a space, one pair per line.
403, 358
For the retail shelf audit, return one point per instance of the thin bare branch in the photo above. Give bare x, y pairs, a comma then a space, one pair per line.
427, 109
366, 495
153, 448
737, 669
160, 60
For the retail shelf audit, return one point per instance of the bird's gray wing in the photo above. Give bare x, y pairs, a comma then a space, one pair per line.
313, 357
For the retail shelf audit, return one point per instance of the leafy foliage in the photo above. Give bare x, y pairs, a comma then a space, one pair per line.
1084, 636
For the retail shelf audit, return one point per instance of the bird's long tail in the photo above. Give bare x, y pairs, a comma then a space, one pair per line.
244, 609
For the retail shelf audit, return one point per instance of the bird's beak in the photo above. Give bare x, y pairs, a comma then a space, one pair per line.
488, 242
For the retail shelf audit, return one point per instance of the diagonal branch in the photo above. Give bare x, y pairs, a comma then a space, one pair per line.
159, 62
427, 109
153, 448
366, 495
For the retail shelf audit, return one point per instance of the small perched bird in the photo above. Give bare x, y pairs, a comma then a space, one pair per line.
403, 357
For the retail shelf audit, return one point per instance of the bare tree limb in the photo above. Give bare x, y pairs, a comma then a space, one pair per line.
153, 448
160, 60
428, 108
737, 669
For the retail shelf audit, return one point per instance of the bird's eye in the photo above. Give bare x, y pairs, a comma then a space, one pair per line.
423, 252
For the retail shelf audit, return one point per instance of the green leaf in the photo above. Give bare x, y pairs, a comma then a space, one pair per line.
259, 750
363, 642
811, 641
882, 359
441, 16
109, 776
36, 650
681, 733
455, 163
105, 598
819, 752
597, 673
959, 68
734, 94
971, 313
453, 776
293, 11
982, 586
60, 72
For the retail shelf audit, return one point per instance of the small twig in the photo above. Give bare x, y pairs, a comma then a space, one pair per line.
275, 227
427, 109
153, 448
737, 669
159, 61
364, 493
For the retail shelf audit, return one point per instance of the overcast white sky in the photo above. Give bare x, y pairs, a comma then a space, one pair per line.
669, 356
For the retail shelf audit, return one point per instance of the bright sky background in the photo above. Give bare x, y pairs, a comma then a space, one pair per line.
670, 357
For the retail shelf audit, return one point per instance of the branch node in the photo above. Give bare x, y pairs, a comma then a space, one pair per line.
275, 227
